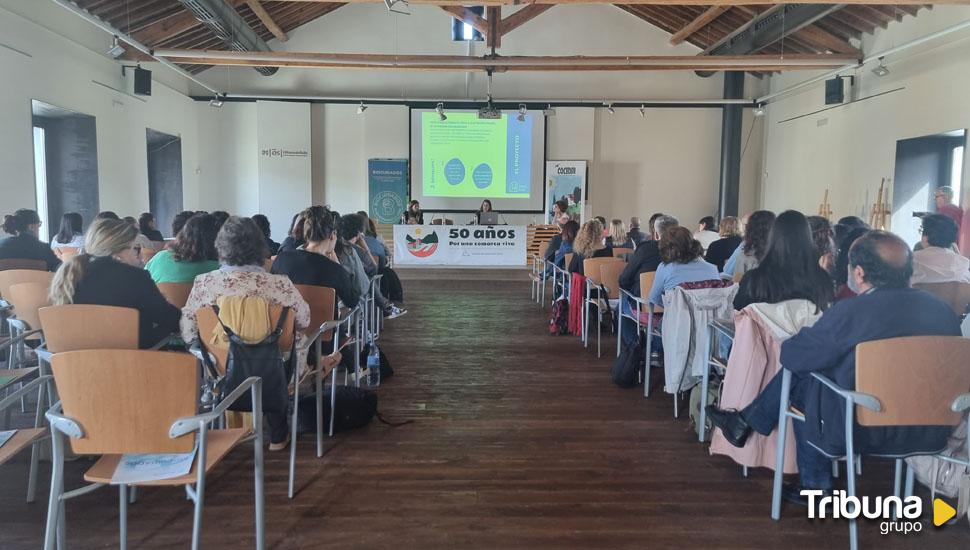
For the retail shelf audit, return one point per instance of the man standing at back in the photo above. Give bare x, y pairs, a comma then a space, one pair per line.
880, 267
644, 259
634, 234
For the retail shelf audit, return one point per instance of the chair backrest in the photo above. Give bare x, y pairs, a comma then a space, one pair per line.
916, 378
126, 400
14, 276
956, 295
646, 283
147, 254
322, 301
438, 221
268, 263
65, 253
610, 277
26, 299
621, 250
20, 263
84, 326
592, 266
177, 294
568, 259
207, 320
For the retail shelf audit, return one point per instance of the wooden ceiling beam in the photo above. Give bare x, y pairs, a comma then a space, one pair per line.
493, 15
267, 19
522, 17
826, 40
469, 17
698, 23
649, 2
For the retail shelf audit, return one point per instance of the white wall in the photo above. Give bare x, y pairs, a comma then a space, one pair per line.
62, 72
848, 149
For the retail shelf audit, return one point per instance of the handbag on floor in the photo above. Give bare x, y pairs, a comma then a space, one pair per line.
356, 407
559, 317
628, 365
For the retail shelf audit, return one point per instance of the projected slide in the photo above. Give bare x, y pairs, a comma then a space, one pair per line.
465, 156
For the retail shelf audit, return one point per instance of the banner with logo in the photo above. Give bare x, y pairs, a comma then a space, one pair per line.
459, 245
283, 169
387, 182
566, 179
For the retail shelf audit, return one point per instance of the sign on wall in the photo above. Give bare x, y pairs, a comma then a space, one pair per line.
283, 141
566, 180
459, 245
387, 183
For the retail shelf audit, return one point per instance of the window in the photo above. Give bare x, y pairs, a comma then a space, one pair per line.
40, 179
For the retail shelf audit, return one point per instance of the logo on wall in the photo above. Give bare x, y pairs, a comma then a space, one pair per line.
422, 247
283, 153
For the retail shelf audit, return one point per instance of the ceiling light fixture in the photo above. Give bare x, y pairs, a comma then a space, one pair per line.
759, 111
881, 70
610, 110
216, 101
549, 111
391, 3
117, 50
643, 111
440, 109
361, 108
522, 112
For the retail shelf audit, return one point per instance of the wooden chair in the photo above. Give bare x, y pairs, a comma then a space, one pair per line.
147, 254
591, 269
18, 263
119, 402
176, 294
908, 381
323, 304
609, 278
956, 295
618, 252
83, 327
30, 437
26, 299
65, 253
15, 276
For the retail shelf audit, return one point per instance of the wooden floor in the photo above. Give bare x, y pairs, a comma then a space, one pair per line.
519, 440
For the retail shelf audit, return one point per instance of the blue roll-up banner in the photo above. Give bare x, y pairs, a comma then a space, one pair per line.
387, 181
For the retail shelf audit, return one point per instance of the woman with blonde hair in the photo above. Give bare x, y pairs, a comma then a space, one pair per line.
617, 235
109, 273
720, 250
589, 243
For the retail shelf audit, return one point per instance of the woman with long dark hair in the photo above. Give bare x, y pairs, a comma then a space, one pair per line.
71, 233
755, 242
789, 269
192, 253
146, 226
23, 226
486, 206
569, 231
841, 272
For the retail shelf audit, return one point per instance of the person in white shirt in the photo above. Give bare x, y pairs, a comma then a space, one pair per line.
937, 261
71, 233
706, 232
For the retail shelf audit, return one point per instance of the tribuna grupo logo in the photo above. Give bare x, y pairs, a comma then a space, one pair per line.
897, 515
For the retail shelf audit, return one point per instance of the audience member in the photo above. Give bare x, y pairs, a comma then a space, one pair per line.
822, 241
375, 243
141, 241
71, 234
262, 222
881, 265
554, 243
617, 236
841, 274
651, 224
789, 269
937, 261
178, 222
109, 273
192, 253
720, 250
646, 257
242, 250
351, 231
23, 226
316, 263
413, 214
844, 226
221, 216
146, 225
681, 262
755, 243
107, 215
589, 243
294, 238
635, 235
705, 232
568, 236
560, 208
943, 197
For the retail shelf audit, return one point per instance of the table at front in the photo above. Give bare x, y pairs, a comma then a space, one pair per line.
460, 245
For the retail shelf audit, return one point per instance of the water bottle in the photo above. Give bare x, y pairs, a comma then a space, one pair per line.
373, 365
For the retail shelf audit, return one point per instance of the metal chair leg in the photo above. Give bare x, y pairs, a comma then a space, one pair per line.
54, 503
319, 396
293, 421
200, 490
122, 517
780, 445
333, 400
850, 467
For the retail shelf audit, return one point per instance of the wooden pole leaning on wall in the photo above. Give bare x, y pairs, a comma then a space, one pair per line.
880, 208
825, 209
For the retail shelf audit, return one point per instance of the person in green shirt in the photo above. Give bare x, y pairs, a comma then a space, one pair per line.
192, 253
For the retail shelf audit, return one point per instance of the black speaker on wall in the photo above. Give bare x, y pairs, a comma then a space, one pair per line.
143, 81
834, 91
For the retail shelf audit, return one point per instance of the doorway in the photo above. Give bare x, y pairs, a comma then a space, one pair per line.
923, 165
65, 165
164, 178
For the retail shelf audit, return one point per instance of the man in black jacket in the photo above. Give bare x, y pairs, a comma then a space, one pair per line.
644, 259
880, 267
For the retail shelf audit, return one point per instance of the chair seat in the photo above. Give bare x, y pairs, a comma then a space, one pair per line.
18, 374
219, 443
19, 441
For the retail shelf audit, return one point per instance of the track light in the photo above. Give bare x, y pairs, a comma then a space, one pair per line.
361, 108
440, 109
522, 112
216, 101
549, 111
117, 50
881, 70
759, 111
643, 111
610, 110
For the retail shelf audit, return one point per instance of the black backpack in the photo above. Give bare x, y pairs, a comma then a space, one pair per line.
628, 365
262, 359
355, 409
559, 317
